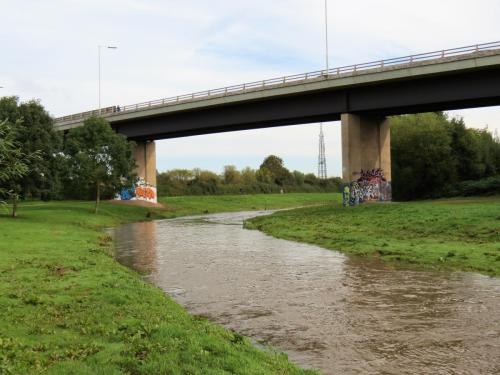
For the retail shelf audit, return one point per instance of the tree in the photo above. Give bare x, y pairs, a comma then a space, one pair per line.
9, 108
432, 154
423, 161
275, 166
248, 176
205, 183
231, 175
311, 179
489, 152
34, 132
264, 175
99, 158
181, 175
299, 178
14, 164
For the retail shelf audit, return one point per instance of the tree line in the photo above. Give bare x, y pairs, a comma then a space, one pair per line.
435, 156
271, 177
37, 162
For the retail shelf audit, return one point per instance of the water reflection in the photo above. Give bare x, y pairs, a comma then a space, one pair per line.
140, 241
326, 311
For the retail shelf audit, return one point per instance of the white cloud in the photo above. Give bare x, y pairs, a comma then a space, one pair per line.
49, 51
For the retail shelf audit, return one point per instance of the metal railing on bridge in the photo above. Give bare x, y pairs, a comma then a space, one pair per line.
297, 78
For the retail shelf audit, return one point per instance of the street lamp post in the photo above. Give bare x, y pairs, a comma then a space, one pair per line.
99, 58
326, 35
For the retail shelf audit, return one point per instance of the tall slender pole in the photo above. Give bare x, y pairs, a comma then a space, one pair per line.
99, 58
99, 62
326, 35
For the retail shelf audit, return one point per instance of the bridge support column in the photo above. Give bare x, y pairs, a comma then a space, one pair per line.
366, 158
145, 159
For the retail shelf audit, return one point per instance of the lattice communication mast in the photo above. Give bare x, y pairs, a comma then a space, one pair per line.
322, 174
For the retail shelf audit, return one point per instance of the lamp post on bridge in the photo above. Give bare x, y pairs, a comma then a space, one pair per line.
99, 58
326, 37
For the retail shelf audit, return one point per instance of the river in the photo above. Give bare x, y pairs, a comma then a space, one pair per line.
327, 311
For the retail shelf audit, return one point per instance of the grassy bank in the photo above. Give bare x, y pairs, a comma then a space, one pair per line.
196, 205
455, 234
68, 308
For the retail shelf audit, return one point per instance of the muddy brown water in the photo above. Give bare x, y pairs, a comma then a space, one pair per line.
325, 310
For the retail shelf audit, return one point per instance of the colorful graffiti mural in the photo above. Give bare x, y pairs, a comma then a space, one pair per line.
141, 191
370, 187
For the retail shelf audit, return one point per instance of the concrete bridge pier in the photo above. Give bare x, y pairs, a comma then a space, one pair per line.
145, 159
366, 158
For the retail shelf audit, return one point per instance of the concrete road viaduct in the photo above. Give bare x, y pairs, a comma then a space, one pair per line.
362, 96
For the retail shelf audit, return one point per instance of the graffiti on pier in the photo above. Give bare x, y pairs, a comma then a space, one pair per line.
147, 193
370, 187
141, 191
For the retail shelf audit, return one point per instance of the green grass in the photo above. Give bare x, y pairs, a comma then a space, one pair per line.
196, 205
454, 234
66, 307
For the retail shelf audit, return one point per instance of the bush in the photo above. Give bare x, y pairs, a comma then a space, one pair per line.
486, 186
435, 156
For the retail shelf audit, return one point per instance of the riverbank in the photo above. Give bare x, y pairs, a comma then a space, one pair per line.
199, 205
452, 234
68, 307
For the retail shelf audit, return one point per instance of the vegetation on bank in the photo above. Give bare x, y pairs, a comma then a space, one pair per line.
96, 158
454, 234
91, 161
198, 205
13, 165
271, 177
31, 130
69, 308
435, 156
486, 186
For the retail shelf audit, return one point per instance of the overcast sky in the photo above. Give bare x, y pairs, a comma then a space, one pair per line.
166, 48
